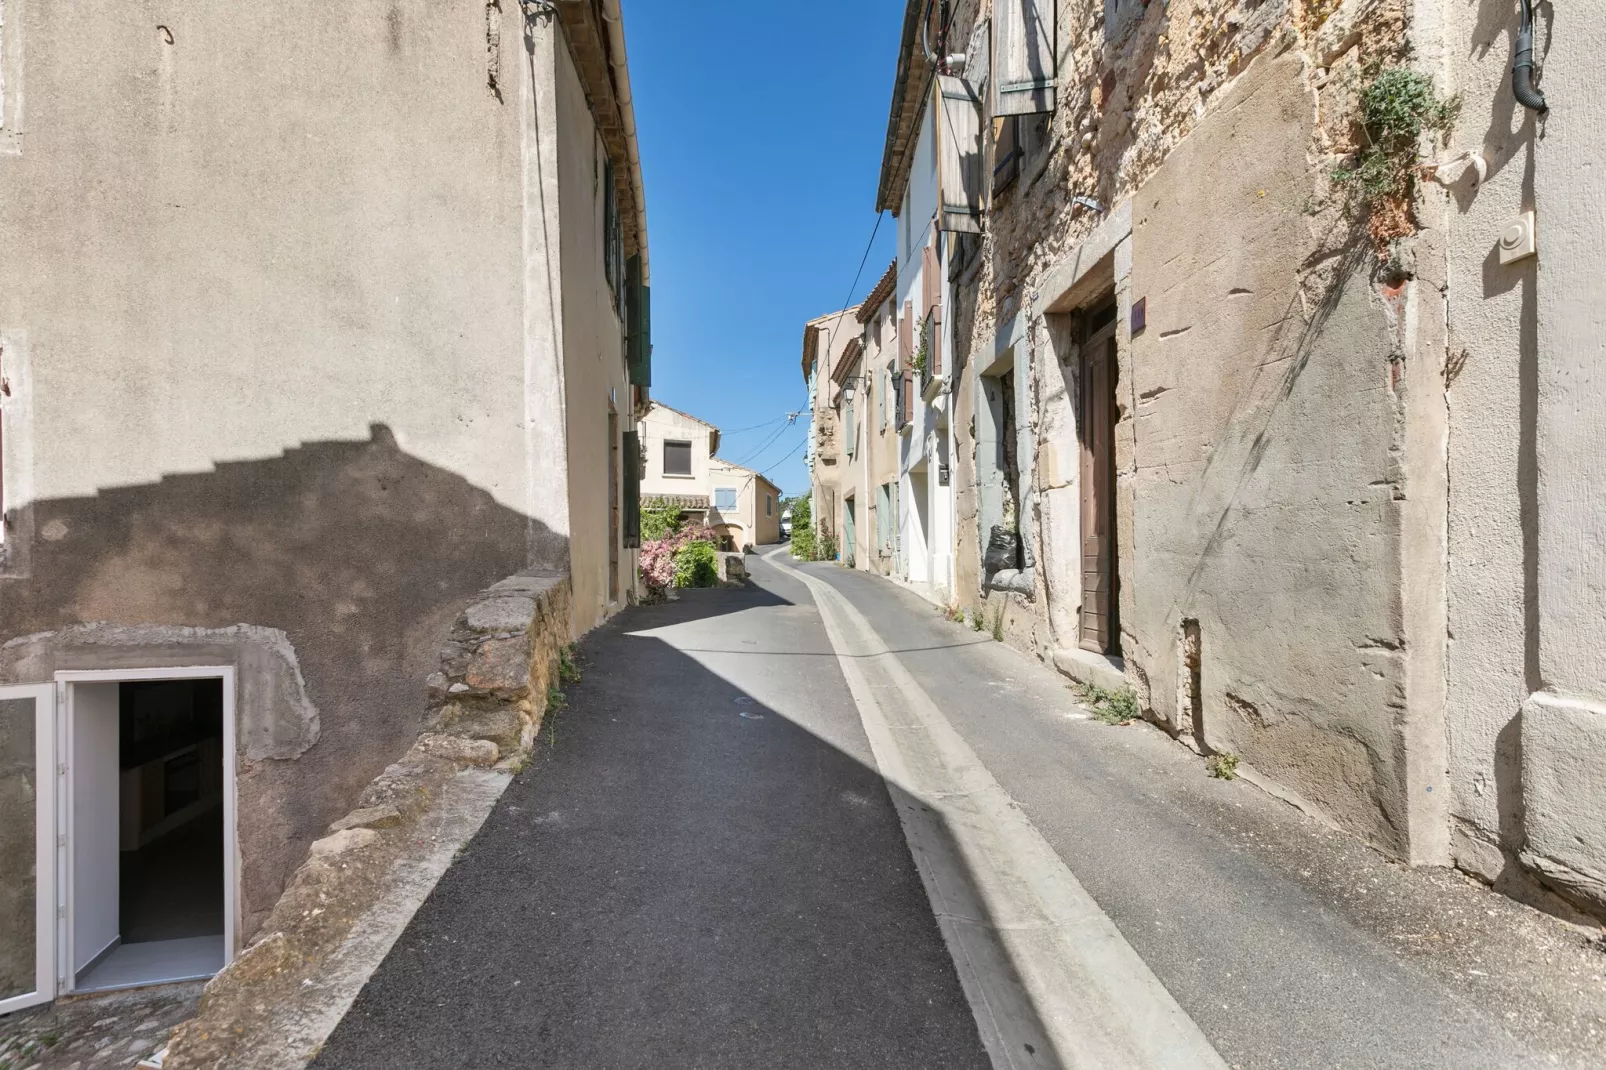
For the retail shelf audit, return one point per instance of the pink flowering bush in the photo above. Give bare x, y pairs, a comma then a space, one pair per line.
658, 557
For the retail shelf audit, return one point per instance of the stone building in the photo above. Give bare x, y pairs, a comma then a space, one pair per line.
1298, 441
867, 382
824, 340
315, 320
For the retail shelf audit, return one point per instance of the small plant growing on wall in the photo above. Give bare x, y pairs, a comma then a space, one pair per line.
1398, 105
1223, 766
922, 348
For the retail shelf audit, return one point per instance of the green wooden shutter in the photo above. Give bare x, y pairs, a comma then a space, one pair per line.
638, 324
632, 487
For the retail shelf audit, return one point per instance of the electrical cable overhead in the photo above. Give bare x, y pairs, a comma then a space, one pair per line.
741, 430
790, 418
854, 285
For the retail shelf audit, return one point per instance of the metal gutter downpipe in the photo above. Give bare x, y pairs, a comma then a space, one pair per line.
627, 112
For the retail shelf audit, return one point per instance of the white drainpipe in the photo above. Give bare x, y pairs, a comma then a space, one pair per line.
621, 77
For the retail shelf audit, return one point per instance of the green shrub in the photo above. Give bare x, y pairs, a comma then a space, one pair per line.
802, 530
802, 542
659, 518
697, 565
827, 547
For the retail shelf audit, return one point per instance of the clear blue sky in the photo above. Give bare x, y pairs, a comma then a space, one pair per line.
761, 127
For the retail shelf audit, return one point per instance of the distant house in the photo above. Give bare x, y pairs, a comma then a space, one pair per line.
680, 465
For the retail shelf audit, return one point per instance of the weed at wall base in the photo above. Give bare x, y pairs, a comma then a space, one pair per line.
1110, 707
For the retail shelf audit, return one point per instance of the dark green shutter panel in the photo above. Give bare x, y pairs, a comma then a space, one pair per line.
638, 324
632, 502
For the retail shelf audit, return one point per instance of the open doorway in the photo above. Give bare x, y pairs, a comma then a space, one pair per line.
919, 527
148, 852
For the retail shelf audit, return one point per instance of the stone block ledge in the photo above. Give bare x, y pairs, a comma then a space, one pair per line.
276, 1003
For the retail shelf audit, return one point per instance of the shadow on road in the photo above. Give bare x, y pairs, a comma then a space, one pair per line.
701, 867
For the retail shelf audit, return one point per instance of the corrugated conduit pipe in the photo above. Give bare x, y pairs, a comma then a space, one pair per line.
1522, 66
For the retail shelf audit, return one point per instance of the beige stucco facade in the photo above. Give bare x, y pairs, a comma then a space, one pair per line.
307, 340
825, 338
756, 519
662, 425
1355, 533
867, 445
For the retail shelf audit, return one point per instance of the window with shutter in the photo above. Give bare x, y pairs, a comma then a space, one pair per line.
677, 458
1023, 64
959, 176
725, 499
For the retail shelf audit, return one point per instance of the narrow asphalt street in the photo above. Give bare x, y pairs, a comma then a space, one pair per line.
812, 823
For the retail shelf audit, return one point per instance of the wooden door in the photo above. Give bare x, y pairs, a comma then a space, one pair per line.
1099, 631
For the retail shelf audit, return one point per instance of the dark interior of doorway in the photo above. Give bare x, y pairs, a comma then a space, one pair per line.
169, 909
171, 755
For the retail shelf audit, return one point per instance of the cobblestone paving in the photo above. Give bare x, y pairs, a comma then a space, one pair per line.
111, 1032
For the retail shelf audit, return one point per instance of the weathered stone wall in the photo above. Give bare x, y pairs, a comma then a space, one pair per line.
1266, 448
499, 661
339, 911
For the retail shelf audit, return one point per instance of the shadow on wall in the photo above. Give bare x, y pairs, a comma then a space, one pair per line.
360, 553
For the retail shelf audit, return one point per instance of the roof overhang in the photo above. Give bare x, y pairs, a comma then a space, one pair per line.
878, 293
911, 88
844, 364
595, 33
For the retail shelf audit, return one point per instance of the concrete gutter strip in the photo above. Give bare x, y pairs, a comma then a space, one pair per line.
1049, 976
465, 802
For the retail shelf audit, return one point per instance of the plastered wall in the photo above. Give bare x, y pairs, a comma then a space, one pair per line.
288, 362
595, 382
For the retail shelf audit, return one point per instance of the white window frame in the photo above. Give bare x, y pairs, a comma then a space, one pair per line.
46, 952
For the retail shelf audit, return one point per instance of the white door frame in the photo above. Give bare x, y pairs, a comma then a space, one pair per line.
44, 696
64, 809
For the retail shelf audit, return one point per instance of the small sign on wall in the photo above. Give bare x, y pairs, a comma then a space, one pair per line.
1140, 314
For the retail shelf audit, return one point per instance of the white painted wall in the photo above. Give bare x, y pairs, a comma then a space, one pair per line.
1564, 723
926, 511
